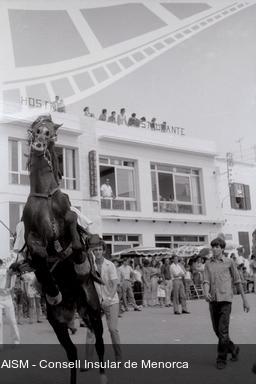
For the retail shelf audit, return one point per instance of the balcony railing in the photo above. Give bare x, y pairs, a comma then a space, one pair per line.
119, 204
170, 207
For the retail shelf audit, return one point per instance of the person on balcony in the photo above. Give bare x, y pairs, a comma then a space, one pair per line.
107, 195
143, 122
112, 117
133, 121
106, 190
87, 112
103, 115
121, 118
153, 124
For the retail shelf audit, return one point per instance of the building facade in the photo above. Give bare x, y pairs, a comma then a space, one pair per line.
138, 186
237, 194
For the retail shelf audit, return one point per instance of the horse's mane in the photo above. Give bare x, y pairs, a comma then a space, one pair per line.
55, 162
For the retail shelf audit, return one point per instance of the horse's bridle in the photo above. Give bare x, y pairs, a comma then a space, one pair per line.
44, 195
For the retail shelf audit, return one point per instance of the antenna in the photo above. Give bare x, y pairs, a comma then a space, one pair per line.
239, 141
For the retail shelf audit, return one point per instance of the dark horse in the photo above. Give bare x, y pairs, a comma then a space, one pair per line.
57, 251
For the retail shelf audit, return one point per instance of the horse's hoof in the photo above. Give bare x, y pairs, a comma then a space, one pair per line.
254, 368
54, 300
103, 378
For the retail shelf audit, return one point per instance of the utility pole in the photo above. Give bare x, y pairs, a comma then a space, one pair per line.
239, 141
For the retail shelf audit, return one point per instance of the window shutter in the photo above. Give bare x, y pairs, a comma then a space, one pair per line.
232, 196
247, 197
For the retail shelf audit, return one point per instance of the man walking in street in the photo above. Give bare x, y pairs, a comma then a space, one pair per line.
127, 275
179, 295
107, 295
219, 275
166, 273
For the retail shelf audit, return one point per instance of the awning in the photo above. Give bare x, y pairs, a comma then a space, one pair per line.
143, 251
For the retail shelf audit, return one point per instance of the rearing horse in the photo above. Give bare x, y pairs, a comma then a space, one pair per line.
57, 250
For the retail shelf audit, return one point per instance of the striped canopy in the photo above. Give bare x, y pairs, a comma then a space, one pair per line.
190, 250
144, 251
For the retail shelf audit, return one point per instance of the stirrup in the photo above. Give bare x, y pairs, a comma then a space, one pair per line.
54, 300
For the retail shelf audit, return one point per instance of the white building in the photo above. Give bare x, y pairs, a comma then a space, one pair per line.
73, 146
238, 200
164, 186
168, 190
165, 189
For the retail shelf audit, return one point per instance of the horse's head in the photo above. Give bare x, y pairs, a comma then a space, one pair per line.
43, 132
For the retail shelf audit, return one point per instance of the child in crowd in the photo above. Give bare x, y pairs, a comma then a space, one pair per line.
188, 281
161, 292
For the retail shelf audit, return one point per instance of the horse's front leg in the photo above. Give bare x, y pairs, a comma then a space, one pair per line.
39, 262
97, 327
61, 331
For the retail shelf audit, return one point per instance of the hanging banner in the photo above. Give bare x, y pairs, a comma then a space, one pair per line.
93, 173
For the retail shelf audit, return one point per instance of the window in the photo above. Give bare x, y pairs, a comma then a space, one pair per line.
118, 242
117, 184
176, 241
68, 167
176, 189
18, 157
240, 196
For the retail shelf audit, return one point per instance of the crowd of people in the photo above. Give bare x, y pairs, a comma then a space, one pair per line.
155, 283
140, 283
120, 118
133, 120
152, 283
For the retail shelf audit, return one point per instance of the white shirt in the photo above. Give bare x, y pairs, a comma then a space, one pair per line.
82, 220
108, 274
137, 275
176, 269
106, 190
121, 119
29, 279
7, 281
20, 237
188, 275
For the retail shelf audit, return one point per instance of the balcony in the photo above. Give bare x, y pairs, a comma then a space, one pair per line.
126, 204
187, 208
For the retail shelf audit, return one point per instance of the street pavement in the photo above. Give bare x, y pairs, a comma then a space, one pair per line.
159, 326
156, 334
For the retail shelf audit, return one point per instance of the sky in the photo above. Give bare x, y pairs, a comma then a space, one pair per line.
207, 85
